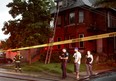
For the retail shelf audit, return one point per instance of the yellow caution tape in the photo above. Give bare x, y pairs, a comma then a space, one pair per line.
101, 36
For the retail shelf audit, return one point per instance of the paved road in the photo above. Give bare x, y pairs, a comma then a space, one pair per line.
10, 75
10, 79
7, 75
14, 77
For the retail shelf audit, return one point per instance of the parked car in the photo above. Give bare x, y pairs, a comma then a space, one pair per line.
3, 58
109, 75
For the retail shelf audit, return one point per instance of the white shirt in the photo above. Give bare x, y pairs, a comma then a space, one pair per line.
77, 57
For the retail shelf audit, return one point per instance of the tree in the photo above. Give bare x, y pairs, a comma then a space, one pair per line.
32, 28
106, 3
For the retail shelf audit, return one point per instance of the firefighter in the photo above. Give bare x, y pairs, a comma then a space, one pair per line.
17, 61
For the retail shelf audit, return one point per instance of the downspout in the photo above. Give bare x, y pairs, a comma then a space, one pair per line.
108, 18
108, 25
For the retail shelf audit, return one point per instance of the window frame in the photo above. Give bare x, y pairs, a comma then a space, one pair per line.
59, 46
81, 43
72, 19
81, 16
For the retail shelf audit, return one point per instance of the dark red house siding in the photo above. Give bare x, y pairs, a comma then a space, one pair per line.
95, 22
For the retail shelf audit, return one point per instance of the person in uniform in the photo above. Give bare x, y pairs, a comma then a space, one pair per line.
77, 61
64, 58
17, 61
89, 61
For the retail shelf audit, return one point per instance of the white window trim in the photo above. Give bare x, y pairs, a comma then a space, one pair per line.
81, 16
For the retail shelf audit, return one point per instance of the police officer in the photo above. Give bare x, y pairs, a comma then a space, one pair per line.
17, 61
64, 58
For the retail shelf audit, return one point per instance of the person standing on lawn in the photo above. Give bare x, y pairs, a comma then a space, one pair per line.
89, 61
64, 58
17, 61
77, 61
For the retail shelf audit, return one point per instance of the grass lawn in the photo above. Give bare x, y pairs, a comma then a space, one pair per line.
52, 67
56, 67
41, 67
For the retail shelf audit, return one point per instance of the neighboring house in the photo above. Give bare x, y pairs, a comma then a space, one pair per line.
32, 55
79, 18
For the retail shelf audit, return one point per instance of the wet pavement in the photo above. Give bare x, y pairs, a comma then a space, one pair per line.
109, 75
10, 79
10, 75
6, 75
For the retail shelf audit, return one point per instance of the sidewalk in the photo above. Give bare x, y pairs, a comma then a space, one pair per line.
45, 75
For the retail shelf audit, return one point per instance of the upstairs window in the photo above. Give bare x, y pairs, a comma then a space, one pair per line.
111, 20
81, 16
72, 18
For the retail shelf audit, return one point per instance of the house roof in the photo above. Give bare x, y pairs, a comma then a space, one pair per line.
74, 3
77, 3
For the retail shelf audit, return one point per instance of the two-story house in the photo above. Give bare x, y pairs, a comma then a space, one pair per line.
79, 18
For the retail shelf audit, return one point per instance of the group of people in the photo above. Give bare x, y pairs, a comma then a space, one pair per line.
64, 58
77, 61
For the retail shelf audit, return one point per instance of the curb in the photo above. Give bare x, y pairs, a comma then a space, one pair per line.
45, 75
